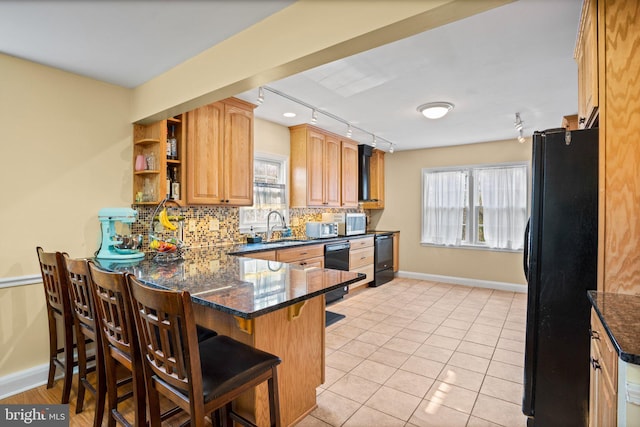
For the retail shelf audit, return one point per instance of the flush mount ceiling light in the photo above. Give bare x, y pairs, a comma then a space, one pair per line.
435, 110
289, 114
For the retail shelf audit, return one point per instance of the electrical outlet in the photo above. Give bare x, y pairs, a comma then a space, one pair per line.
193, 225
295, 222
214, 225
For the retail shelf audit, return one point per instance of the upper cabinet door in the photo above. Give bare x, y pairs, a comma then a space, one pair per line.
349, 169
205, 154
238, 156
315, 168
332, 175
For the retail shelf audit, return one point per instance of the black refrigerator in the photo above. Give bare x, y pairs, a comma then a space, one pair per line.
560, 263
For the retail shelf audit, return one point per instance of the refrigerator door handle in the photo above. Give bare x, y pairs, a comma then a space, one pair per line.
525, 257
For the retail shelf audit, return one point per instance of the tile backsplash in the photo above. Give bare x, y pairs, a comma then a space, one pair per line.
215, 225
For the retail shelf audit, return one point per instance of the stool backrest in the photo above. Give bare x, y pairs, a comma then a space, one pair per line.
113, 311
168, 337
55, 282
81, 296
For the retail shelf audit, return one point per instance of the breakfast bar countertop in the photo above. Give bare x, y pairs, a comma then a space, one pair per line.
620, 316
240, 286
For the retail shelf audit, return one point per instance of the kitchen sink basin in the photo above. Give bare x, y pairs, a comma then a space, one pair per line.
282, 242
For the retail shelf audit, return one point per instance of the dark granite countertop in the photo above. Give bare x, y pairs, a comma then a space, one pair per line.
620, 316
239, 249
237, 285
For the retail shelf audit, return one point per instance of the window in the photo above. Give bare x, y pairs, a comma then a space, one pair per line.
269, 192
477, 206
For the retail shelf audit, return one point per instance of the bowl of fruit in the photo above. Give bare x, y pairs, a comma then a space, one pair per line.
166, 250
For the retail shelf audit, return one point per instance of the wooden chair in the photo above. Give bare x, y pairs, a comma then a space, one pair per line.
83, 307
202, 378
119, 342
56, 290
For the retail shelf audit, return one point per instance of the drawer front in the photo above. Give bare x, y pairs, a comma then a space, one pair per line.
300, 253
360, 258
368, 270
317, 262
266, 255
361, 243
607, 353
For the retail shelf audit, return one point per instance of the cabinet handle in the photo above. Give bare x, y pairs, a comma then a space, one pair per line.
303, 263
595, 363
582, 120
595, 335
363, 257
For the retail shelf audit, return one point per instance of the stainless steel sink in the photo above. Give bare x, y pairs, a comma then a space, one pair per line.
284, 241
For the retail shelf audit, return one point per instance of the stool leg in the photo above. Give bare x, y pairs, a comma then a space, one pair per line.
82, 371
68, 364
53, 346
101, 392
112, 388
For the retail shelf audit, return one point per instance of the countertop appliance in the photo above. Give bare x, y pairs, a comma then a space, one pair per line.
117, 241
321, 230
560, 260
349, 223
336, 257
382, 259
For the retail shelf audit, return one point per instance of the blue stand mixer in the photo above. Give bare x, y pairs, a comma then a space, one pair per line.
116, 246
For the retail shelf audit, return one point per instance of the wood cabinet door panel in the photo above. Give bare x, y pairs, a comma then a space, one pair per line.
238, 155
332, 173
204, 154
349, 175
315, 169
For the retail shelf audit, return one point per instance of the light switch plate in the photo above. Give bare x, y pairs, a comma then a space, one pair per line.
295, 222
214, 225
193, 225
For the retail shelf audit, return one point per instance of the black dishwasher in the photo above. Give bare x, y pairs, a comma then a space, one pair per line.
383, 259
336, 257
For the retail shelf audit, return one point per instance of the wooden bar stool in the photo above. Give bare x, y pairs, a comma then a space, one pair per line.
119, 342
83, 307
202, 378
56, 290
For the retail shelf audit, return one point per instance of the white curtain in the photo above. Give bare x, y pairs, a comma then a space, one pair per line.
504, 205
444, 202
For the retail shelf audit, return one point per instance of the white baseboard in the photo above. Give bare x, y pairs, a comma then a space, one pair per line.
501, 286
18, 382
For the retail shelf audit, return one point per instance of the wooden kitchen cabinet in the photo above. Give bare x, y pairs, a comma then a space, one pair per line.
376, 178
220, 154
305, 256
150, 184
603, 377
361, 260
396, 251
349, 174
586, 56
319, 176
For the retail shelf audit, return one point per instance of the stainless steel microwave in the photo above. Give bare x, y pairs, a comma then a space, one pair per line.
321, 229
349, 224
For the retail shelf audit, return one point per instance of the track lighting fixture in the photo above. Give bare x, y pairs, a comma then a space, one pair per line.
316, 110
260, 99
519, 125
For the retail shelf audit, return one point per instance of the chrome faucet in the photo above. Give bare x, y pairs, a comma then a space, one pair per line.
269, 230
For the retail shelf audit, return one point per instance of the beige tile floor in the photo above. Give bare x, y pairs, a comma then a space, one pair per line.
418, 353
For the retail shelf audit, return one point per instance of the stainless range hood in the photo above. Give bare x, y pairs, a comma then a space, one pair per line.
364, 179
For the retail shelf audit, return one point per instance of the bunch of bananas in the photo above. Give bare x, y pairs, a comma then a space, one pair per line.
164, 220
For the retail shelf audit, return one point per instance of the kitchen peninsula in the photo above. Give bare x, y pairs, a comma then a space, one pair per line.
276, 307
